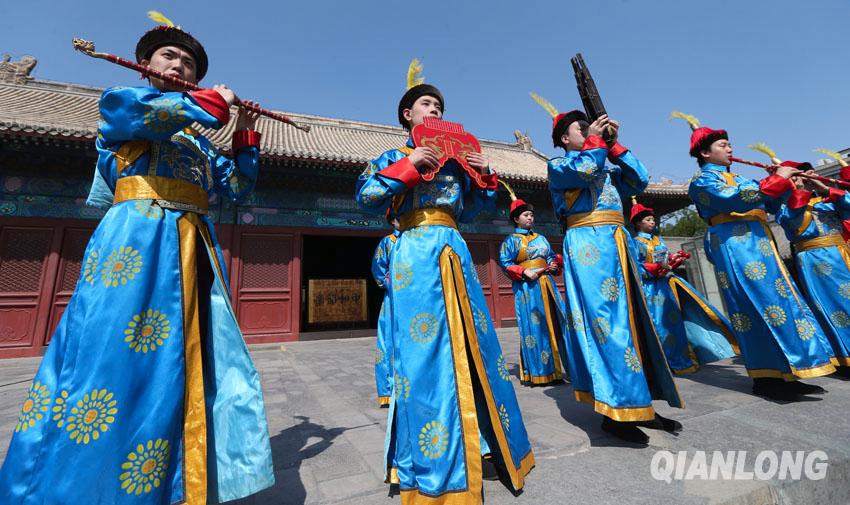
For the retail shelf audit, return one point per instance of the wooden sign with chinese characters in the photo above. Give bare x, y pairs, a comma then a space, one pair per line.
336, 301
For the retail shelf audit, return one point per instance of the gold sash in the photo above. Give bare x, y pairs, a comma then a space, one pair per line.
169, 193
750, 215
422, 217
819, 243
535, 263
596, 218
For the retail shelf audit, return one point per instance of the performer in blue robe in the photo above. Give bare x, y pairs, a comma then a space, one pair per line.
384, 347
813, 225
530, 262
147, 392
780, 339
692, 331
453, 401
616, 360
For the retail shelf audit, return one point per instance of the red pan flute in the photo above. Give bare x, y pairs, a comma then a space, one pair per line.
449, 141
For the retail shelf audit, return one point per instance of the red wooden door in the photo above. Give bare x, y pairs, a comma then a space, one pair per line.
25, 262
480, 251
74, 242
263, 281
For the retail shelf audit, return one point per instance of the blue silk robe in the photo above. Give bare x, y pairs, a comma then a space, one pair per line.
147, 392
813, 225
446, 410
692, 331
777, 332
540, 310
384, 347
612, 345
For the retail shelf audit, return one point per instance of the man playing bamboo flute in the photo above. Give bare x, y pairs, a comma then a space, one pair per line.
811, 220
453, 402
616, 360
780, 339
147, 393
692, 331
530, 262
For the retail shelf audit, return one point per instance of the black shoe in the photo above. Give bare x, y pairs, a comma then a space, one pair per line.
842, 371
624, 431
662, 423
774, 389
804, 389
488, 469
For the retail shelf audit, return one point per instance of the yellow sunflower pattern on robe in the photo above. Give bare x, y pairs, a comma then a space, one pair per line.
503, 417
502, 367
91, 267
147, 330
544, 357
423, 327
601, 329
844, 290
402, 276
530, 342
840, 319
60, 408
163, 114
741, 322
577, 320
774, 315
723, 280
755, 270
91, 416
35, 407
121, 266
805, 329
587, 255
765, 248
481, 321
822, 268
145, 467
750, 195
148, 209
610, 289
402, 387
632, 361
433, 439
781, 287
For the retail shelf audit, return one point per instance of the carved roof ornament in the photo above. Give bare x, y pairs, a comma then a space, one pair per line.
17, 72
523, 140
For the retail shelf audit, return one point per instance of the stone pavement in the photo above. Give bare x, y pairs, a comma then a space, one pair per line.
327, 434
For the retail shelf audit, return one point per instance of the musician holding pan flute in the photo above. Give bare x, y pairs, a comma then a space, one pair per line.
147, 393
617, 363
453, 412
780, 339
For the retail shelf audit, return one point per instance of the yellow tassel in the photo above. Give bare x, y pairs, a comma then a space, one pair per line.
414, 74
160, 18
510, 191
546, 104
834, 155
763, 148
692, 121
634, 200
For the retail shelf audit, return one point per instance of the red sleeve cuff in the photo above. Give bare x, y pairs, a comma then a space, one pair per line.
835, 195
845, 173
774, 185
594, 142
655, 269
403, 170
515, 272
246, 138
491, 180
616, 151
799, 198
211, 101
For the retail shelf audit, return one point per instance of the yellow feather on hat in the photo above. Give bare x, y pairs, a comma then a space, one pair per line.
160, 18
763, 148
546, 104
510, 190
834, 155
692, 121
414, 74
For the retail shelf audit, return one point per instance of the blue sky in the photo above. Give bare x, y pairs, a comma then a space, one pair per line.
774, 71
